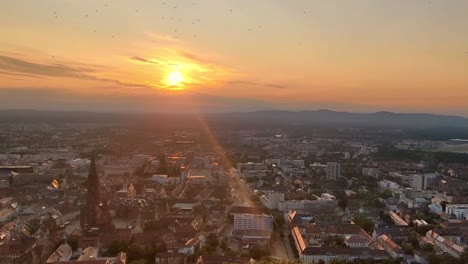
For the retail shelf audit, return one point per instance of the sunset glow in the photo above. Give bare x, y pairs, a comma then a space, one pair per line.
175, 79
363, 56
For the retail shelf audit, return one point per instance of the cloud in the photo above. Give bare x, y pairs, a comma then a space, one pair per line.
243, 82
20, 67
16, 65
162, 37
277, 86
196, 58
144, 60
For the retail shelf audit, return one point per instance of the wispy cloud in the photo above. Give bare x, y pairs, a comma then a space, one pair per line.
163, 37
20, 67
16, 65
243, 82
145, 60
277, 86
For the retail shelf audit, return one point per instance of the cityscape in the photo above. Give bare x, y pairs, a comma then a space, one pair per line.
233, 132
132, 193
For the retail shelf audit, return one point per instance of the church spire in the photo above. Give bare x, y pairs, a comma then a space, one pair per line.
88, 212
93, 184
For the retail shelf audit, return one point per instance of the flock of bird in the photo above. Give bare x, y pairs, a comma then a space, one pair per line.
193, 22
164, 4
172, 17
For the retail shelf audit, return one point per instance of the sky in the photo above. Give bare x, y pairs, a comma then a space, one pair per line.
234, 55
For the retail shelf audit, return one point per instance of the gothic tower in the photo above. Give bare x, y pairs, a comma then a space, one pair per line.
88, 212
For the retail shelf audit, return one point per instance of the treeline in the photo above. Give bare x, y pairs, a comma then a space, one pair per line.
388, 152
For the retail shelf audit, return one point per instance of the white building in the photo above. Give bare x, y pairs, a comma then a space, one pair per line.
160, 178
458, 210
253, 222
272, 200
333, 170
299, 205
374, 172
386, 184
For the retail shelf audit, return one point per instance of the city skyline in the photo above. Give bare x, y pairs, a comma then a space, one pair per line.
149, 56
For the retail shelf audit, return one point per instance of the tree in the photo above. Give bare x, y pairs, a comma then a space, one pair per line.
343, 203
139, 261
115, 247
337, 241
413, 240
224, 245
257, 252
278, 221
408, 248
364, 222
212, 241
428, 247
135, 252
387, 194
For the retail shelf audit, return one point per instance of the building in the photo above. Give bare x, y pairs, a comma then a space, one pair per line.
386, 184
311, 252
397, 219
95, 214
390, 247
374, 172
253, 222
420, 182
304, 205
333, 170
192, 245
169, 258
252, 225
62, 253
206, 259
117, 170
29, 178
160, 178
443, 244
460, 211
272, 200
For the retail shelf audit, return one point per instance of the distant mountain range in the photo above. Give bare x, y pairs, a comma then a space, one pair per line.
268, 117
329, 117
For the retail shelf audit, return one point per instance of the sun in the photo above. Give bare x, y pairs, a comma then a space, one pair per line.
175, 78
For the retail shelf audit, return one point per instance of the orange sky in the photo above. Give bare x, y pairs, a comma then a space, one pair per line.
361, 55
